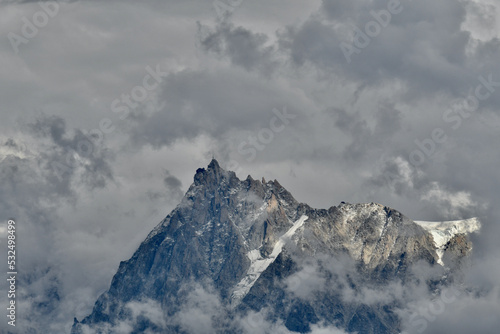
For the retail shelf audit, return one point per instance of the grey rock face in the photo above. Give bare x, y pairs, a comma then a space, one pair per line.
235, 237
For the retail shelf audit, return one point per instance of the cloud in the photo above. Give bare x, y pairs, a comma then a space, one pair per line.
306, 282
70, 151
202, 311
450, 204
243, 47
368, 137
223, 104
424, 47
425, 303
450, 310
136, 314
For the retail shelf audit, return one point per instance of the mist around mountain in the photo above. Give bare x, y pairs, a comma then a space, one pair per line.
243, 256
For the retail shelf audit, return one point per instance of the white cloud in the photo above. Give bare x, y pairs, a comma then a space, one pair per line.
452, 204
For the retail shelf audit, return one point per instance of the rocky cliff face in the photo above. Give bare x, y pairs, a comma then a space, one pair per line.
255, 248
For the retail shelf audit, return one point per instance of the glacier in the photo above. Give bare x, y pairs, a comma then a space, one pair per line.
444, 231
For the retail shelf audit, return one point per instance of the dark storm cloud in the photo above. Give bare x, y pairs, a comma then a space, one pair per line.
172, 182
242, 46
423, 46
366, 138
342, 9
174, 190
212, 103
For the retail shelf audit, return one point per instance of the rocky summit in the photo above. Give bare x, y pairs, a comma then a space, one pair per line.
243, 256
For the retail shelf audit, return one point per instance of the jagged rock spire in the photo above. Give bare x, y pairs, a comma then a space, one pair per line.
213, 174
214, 164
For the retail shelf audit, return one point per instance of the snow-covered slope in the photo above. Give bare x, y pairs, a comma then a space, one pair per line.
259, 264
444, 231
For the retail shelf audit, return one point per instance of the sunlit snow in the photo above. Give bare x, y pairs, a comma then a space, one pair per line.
442, 232
259, 264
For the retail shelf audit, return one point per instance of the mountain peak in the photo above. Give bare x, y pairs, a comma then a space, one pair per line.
212, 175
214, 164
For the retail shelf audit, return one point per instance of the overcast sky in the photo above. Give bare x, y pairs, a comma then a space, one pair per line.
109, 107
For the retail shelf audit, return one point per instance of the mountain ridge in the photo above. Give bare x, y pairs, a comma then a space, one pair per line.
231, 235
